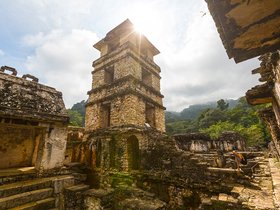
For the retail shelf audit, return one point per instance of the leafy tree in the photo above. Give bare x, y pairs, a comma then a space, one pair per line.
242, 118
78, 110
217, 129
80, 107
210, 117
222, 105
76, 119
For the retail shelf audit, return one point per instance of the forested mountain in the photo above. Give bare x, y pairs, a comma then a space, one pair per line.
77, 114
193, 111
242, 118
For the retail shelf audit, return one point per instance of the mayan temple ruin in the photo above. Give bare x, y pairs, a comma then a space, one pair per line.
125, 98
123, 159
125, 82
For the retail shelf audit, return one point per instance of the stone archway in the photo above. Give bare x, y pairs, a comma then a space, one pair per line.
133, 153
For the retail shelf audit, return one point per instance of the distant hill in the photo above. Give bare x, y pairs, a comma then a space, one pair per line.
193, 111
80, 107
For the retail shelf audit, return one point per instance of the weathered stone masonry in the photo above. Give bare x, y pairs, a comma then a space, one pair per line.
33, 123
126, 82
268, 92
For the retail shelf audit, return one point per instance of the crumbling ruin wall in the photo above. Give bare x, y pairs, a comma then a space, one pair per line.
113, 149
198, 142
38, 117
269, 92
75, 137
19, 145
269, 118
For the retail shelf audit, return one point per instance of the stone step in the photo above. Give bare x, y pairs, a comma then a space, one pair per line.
16, 174
24, 198
225, 201
48, 203
237, 190
29, 185
142, 204
77, 188
79, 177
74, 195
24, 186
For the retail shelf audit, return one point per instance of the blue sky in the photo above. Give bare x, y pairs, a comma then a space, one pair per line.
53, 41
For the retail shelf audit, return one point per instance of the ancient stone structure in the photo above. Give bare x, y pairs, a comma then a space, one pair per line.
268, 92
125, 82
75, 137
33, 123
197, 142
125, 158
125, 100
249, 29
268, 117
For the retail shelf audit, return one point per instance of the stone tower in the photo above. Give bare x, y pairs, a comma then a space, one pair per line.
125, 83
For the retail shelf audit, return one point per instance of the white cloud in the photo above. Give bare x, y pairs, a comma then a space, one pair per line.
199, 70
194, 64
63, 60
2, 52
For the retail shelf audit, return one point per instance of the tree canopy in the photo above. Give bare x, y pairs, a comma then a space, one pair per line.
242, 118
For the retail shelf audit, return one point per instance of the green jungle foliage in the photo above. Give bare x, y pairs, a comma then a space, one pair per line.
77, 114
242, 118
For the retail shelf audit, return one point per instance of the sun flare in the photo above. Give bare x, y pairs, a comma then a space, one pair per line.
146, 20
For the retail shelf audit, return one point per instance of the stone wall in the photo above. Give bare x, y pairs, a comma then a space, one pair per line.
125, 80
28, 99
19, 145
197, 142
125, 61
269, 92
269, 118
74, 139
110, 149
38, 117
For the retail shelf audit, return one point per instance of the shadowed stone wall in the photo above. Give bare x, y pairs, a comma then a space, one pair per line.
197, 142
38, 118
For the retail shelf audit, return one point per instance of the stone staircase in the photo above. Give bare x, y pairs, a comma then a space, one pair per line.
141, 200
255, 194
121, 192
39, 193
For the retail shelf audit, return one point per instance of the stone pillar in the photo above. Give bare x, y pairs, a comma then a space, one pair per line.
51, 152
269, 118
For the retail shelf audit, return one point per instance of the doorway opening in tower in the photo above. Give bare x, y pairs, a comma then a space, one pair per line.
133, 153
106, 115
150, 114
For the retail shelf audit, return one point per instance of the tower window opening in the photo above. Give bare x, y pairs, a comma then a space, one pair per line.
146, 77
106, 115
150, 115
109, 75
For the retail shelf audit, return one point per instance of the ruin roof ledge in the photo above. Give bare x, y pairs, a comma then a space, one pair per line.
124, 79
132, 51
260, 94
126, 92
5, 112
122, 129
25, 82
